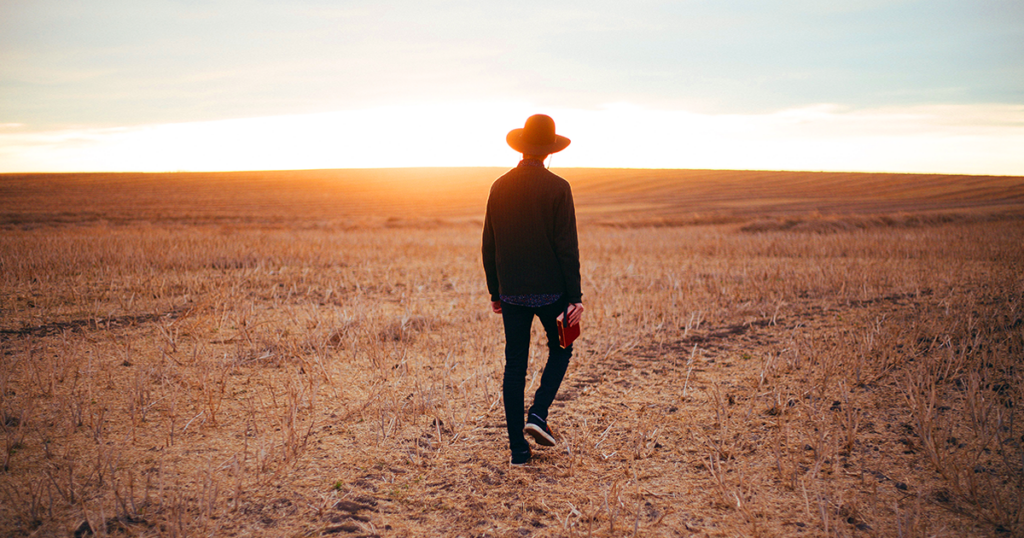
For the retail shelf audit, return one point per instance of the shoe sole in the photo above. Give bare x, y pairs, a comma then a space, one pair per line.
540, 436
521, 463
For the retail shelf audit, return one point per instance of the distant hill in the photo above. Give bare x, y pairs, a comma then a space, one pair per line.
415, 196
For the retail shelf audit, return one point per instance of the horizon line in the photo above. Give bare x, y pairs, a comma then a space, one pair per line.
436, 167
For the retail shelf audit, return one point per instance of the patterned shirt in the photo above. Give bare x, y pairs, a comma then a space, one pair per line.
532, 301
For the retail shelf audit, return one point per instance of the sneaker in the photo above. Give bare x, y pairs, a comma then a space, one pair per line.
520, 458
539, 430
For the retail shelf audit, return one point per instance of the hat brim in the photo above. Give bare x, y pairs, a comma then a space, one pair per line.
516, 142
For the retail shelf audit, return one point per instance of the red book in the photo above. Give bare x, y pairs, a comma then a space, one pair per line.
566, 333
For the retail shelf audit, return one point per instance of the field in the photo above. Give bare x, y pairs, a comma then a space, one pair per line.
312, 353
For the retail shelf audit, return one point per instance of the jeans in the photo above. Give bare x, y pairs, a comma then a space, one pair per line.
518, 321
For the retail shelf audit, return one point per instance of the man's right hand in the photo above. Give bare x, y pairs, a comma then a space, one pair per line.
496, 307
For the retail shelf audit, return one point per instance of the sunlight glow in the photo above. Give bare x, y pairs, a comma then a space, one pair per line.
982, 139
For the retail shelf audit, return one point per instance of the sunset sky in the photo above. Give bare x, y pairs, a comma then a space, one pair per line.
145, 85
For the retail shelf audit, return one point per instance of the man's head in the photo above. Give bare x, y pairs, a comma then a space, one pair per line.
537, 137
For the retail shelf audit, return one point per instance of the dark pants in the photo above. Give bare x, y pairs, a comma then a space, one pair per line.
518, 321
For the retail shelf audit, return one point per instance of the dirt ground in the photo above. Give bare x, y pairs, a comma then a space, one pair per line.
188, 365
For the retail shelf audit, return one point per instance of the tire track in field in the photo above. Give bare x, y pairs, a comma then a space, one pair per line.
94, 323
715, 339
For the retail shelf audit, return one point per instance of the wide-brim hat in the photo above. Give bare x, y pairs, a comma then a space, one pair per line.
537, 137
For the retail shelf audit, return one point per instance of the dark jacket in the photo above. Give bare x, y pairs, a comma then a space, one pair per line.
529, 242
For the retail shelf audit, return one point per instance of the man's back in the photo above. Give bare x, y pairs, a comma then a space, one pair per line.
530, 234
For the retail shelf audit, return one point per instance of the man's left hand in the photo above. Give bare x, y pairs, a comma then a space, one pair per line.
575, 313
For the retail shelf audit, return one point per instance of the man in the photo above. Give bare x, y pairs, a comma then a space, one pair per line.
531, 257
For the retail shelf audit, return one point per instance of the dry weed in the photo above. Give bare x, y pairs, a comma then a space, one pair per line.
262, 369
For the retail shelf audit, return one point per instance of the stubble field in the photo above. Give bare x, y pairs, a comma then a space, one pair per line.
312, 353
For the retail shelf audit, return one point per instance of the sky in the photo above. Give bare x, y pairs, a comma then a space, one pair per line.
844, 85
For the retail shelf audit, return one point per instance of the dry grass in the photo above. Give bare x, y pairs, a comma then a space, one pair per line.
296, 354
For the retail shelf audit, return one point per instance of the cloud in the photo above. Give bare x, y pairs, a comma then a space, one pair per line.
152, 61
